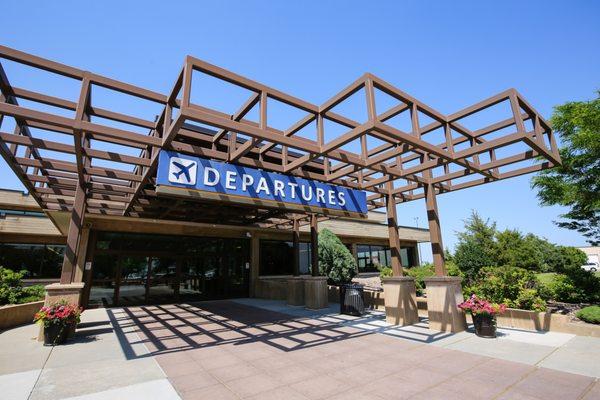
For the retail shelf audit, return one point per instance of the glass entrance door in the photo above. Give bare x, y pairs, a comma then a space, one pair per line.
130, 269
133, 279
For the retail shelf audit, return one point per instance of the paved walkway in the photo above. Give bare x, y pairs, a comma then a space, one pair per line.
261, 349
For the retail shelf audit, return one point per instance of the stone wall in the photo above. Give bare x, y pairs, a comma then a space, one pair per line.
513, 318
18, 314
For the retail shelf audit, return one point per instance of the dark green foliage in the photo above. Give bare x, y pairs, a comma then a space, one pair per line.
589, 314
12, 290
513, 286
420, 273
32, 293
476, 246
571, 284
523, 251
385, 272
335, 260
576, 184
10, 286
481, 245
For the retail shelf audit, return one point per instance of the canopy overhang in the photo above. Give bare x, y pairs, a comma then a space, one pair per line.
403, 164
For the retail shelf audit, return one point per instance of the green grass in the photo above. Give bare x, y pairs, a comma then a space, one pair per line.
589, 314
546, 277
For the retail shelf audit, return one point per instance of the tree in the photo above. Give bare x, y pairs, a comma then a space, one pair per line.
335, 260
476, 246
576, 184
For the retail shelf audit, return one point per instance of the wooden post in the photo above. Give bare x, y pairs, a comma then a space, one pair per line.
392, 220
296, 243
82, 257
75, 225
435, 232
314, 244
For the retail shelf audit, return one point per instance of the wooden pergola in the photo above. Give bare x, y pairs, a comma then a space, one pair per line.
404, 165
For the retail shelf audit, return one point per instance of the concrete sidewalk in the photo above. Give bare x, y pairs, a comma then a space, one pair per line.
560, 351
251, 348
92, 365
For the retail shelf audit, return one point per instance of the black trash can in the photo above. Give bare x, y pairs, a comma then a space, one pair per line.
351, 300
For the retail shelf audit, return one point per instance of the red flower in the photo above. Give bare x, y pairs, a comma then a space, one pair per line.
475, 305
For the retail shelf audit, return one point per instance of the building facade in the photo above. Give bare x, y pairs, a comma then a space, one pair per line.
141, 261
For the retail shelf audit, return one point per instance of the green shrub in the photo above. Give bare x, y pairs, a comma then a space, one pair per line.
10, 286
589, 314
453, 270
515, 287
385, 272
420, 273
335, 260
32, 293
12, 290
562, 288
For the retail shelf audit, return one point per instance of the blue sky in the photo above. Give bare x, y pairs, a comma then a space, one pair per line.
447, 54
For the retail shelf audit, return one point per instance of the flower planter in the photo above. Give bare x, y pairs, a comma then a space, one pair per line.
55, 334
59, 320
485, 325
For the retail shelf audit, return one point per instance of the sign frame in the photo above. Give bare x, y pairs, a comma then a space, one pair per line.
217, 181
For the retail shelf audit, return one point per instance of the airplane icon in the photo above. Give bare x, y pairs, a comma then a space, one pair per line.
182, 171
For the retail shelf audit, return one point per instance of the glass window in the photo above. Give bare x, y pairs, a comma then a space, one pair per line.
404, 257
305, 258
165, 268
371, 256
133, 280
276, 257
102, 289
163, 280
39, 260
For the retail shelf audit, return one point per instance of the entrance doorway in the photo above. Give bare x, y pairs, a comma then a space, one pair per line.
133, 269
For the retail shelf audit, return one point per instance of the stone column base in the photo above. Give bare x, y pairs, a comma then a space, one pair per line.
400, 298
444, 294
71, 292
295, 291
315, 292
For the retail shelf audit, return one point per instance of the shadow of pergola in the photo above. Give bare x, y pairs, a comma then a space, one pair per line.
173, 328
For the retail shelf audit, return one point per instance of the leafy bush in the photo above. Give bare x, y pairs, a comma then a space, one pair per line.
587, 284
12, 290
385, 272
420, 273
483, 245
33, 293
589, 314
335, 260
476, 246
516, 287
577, 286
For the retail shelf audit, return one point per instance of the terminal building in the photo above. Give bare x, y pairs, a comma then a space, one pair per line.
144, 261
220, 186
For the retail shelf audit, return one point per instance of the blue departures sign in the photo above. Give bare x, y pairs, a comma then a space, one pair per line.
180, 170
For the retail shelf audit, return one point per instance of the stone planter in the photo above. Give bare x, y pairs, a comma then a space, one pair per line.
18, 314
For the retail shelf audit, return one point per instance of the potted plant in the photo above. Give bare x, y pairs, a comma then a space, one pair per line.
58, 320
484, 315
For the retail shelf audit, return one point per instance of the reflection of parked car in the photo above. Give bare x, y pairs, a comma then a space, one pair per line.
590, 266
